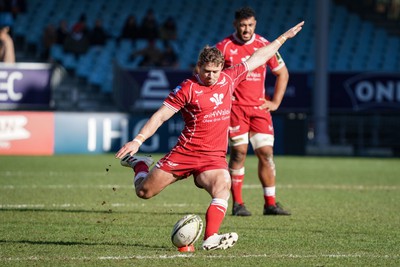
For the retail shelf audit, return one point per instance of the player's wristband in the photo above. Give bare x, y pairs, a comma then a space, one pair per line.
138, 141
282, 41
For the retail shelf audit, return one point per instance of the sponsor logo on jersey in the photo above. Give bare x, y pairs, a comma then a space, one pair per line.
222, 82
198, 92
217, 99
234, 128
218, 113
234, 51
279, 58
177, 89
171, 164
253, 76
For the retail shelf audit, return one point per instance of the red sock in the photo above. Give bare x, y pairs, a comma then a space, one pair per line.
269, 196
269, 201
237, 183
141, 167
214, 216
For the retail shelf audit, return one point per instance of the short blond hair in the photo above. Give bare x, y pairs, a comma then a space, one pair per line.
210, 54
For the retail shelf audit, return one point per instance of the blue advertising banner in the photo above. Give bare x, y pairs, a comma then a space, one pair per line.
365, 92
94, 133
48, 133
297, 97
89, 132
146, 89
25, 86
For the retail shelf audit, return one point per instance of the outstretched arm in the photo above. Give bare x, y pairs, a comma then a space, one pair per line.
151, 126
262, 55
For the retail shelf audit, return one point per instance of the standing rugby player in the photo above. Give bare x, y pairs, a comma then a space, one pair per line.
248, 121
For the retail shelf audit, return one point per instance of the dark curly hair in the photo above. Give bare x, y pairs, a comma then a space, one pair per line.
244, 13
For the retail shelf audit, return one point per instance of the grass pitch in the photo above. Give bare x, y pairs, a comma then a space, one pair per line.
81, 210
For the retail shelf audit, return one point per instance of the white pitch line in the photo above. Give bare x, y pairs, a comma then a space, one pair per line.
51, 173
245, 186
168, 257
74, 205
332, 186
67, 186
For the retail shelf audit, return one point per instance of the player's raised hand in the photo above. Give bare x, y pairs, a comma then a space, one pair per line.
293, 31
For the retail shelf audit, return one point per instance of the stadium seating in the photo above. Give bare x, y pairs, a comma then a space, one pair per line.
355, 45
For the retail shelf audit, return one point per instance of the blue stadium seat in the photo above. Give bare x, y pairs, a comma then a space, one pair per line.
69, 61
57, 52
198, 26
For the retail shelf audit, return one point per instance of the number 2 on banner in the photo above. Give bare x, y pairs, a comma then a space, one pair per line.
156, 80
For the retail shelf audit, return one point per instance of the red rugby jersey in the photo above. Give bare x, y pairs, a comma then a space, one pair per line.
235, 51
206, 111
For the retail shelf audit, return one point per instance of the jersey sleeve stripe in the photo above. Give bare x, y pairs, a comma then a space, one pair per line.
281, 65
170, 107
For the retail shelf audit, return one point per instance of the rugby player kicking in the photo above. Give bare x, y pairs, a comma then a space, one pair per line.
205, 101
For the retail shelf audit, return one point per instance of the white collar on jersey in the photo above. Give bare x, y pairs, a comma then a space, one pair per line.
240, 41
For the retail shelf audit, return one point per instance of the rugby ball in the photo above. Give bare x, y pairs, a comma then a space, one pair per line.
187, 230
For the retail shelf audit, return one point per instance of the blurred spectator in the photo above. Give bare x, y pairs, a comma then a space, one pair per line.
13, 7
151, 55
381, 6
6, 16
394, 10
62, 32
388, 8
7, 46
17, 7
77, 41
130, 29
149, 27
169, 57
80, 27
48, 39
168, 30
98, 35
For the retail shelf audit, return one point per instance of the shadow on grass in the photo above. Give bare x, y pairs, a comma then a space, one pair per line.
56, 210
98, 211
80, 243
